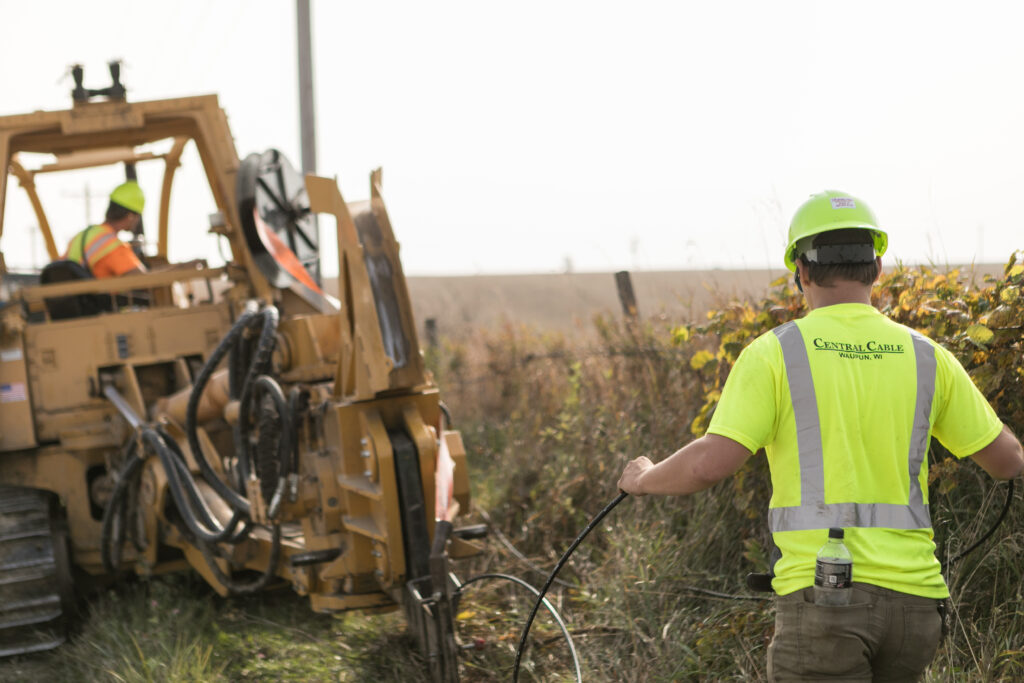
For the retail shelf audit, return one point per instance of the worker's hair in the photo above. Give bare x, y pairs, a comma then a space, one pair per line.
826, 275
116, 212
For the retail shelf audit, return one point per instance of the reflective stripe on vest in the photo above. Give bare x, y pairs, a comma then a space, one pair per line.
813, 512
96, 241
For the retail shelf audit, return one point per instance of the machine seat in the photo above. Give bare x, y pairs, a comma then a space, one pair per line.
75, 305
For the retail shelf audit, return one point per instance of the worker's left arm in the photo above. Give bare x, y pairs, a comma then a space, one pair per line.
694, 467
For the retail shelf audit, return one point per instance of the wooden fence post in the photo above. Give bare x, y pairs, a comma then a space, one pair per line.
626, 296
430, 326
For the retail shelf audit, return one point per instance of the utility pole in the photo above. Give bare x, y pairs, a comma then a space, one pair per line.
88, 195
307, 121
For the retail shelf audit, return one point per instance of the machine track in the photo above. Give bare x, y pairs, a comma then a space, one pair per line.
35, 579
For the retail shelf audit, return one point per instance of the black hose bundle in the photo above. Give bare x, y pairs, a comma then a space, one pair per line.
276, 442
259, 359
233, 498
186, 495
249, 383
112, 528
195, 514
249, 365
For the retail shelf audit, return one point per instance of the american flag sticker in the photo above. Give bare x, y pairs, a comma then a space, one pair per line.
11, 393
843, 203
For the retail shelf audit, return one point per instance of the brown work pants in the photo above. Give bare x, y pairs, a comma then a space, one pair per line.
882, 635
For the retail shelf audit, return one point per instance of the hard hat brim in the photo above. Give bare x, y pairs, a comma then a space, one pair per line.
879, 237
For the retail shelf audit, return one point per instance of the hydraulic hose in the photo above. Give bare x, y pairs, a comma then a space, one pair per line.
554, 572
297, 402
232, 497
111, 540
260, 582
258, 365
198, 504
174, 467
268, 386
178, 493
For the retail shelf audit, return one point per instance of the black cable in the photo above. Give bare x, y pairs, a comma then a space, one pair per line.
232, 497
547, 604
1002, 516
516, 553
554, 572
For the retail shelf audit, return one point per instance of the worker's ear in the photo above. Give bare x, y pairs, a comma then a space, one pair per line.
878, 269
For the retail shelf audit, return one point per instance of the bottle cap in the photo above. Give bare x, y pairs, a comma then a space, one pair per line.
835, 533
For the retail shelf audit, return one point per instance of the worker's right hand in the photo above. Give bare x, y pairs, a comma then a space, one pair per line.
630, 479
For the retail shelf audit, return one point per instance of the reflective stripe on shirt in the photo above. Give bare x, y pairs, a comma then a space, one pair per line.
813, 512
93, 244
92, 252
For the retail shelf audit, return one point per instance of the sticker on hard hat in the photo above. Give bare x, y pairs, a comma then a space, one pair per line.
843, 203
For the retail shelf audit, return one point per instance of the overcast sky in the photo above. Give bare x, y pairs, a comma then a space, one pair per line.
537, 136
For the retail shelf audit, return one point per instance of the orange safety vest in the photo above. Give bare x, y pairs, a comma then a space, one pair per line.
94, 244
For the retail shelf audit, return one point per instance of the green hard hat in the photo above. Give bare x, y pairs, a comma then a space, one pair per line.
832, 210
129, 195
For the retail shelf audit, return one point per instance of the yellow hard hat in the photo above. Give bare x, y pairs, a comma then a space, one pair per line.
129, 195
832, 210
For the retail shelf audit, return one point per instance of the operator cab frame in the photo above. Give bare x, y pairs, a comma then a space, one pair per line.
102, 129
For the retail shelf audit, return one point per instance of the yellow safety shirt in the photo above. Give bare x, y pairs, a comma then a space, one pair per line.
844, 402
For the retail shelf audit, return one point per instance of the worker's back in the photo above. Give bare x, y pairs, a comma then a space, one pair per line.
843, 401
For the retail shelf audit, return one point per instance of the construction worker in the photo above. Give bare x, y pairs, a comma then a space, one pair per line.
99, 249
843, 402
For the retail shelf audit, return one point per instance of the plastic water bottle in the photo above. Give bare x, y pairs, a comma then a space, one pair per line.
833, 573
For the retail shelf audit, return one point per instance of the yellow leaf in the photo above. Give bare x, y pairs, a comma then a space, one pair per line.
980, 334
1010, 294
1016, 270
700, 359
467, 614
